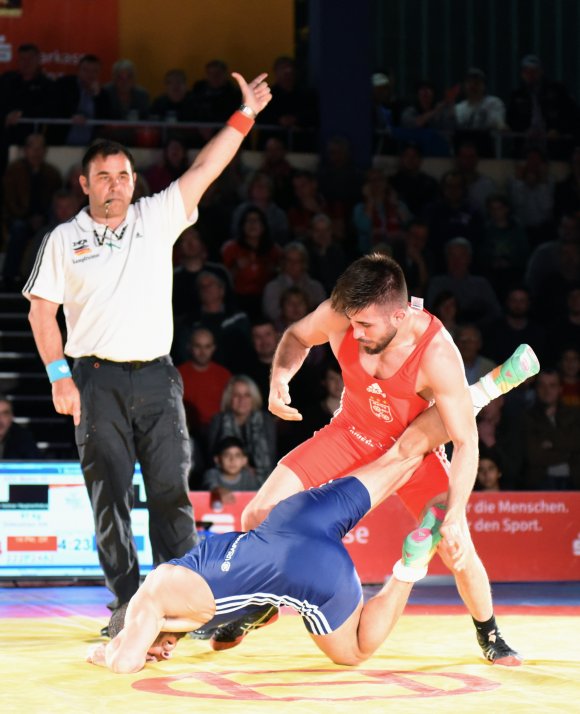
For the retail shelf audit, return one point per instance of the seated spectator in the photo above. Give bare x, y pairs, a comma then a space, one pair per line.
431, 122
564, 329
542, 109
264, 341
231, 329
476, 298
553, 268
501, 435
414, 187
444, 307
242, 416
230, 472
192, 252
276, 166
569, 369
16, 442
326, 258
80, 97
127, 99
25, 92
252, 259
469, 343
380, 217
176, 103
307, 202
479, 113
551, 437
204, 382
338, 176
292, 106
515, 327
412, 255
216, 97
293, 306
173, 163
532, 196
489, 472
479, 187
260, 195
450, 217
504, 249
294, 272
65, 205
29, 185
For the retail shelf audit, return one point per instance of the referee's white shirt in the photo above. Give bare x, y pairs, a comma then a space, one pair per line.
115, 288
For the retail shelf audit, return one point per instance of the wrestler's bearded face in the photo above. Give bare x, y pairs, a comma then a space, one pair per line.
373, 329
377, 346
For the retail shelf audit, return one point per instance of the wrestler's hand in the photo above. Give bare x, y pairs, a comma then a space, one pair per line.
67, 399
256, 94
456, 539
279, 401
96, 655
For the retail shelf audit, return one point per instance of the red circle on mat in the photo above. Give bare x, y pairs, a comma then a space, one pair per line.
229, 689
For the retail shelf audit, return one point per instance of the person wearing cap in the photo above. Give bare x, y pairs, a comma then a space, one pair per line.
479, 111
542, 107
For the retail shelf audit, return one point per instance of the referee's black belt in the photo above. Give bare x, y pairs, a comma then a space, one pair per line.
96, 362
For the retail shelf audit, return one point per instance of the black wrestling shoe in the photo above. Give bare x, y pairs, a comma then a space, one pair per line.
202, 633
231, 634
496, 650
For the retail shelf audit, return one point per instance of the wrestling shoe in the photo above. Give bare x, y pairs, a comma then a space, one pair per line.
522, 365
419, 546
231, 634
496, 650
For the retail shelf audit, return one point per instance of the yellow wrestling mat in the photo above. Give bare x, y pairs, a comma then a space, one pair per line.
431, 663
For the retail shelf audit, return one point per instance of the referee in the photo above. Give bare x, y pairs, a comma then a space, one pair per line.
111, 269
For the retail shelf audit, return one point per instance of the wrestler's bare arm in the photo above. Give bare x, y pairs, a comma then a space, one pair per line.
322, 325
127, 652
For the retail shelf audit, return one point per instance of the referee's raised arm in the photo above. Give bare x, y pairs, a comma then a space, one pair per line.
221, 149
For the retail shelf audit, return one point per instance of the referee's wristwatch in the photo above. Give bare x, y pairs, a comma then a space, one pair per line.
247, 111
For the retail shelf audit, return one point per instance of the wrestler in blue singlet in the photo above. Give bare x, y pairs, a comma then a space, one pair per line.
295, 557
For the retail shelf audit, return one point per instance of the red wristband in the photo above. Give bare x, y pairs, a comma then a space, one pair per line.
240, 122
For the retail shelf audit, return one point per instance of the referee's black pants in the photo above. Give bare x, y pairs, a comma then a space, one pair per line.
134, 411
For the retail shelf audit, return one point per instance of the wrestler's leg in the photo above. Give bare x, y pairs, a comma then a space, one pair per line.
368, 626
280, 484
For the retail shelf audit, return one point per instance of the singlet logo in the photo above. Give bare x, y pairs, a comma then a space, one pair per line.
226, 565
378, 403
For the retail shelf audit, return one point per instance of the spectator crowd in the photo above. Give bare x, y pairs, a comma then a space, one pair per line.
498, 264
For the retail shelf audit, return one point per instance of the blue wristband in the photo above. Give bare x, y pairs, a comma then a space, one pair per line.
58, 369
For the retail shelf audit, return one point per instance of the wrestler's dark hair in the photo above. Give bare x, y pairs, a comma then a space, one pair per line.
117, 622
374, 279
105, 148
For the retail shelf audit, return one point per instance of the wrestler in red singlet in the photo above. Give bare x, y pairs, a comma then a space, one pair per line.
373, 414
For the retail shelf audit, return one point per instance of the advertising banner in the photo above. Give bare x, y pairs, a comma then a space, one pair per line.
63, 32
520, 536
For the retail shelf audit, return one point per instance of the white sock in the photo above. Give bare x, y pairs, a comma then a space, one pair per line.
489, 386
479, 396
407, 574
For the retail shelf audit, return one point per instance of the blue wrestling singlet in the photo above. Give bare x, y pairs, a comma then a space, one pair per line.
295, 558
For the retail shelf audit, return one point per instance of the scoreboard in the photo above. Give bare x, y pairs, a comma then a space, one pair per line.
46, 522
